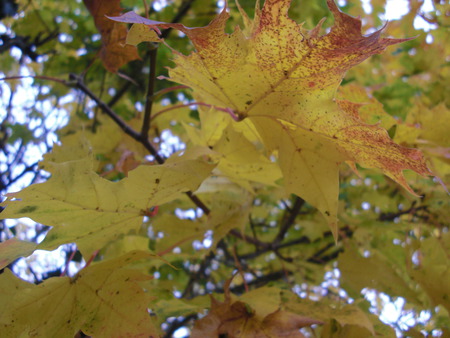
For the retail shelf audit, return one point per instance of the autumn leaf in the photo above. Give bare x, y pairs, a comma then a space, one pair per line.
348, 317
431, 268
80, 129
283, 78
104, 299
176, 232
358, 273
114, 53
238, 159
92, 211
255, 114
12, 249
230, 206
369, 109
235, 318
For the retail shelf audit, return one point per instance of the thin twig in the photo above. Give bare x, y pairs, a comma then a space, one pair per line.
239, 267
146, 9
290, 219
39, 77
150, 91
390, 216
78, 83
248, 239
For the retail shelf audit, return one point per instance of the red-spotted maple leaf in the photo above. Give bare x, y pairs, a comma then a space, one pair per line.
283, 78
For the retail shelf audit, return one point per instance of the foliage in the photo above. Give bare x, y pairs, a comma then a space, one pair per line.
292, 171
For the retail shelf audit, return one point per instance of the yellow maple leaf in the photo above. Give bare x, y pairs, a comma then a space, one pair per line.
12, 249
91, 211
238, 159
104, 300
283, 78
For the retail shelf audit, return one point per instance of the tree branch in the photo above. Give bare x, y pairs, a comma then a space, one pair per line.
390, 216
251, 240
150, 91
77, 82
288, 221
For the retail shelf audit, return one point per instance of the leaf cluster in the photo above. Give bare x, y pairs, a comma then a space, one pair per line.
275, 174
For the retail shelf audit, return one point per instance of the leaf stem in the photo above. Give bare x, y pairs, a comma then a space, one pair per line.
226, 110
168, 90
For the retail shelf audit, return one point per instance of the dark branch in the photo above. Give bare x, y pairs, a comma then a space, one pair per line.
390, 216
288, 221
77, 82
150, 91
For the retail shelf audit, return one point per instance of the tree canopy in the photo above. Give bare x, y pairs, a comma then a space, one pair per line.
225, 169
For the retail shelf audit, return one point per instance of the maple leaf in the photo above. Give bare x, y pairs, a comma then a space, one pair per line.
239, 159
235, 318
104, 299
92, 211
12, 249
114, 53
284, 79
431, 270
358, 273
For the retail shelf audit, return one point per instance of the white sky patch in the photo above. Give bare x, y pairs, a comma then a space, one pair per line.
420, 23
221, 5
159, 5
395, 9
367, 7
170, 143
43, 262
181, 332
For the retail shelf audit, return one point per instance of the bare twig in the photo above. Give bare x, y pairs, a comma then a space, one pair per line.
78, 83
150, 91
251, 240
390, 216
40, 77
289, 220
